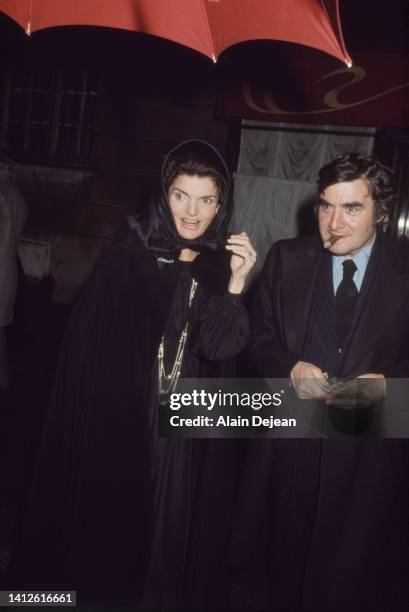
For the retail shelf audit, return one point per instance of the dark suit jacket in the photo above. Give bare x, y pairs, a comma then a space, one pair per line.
330, 516
280, 312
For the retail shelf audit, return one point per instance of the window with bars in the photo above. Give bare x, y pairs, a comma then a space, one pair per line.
49, 115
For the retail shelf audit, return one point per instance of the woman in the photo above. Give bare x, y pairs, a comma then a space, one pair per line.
116, 525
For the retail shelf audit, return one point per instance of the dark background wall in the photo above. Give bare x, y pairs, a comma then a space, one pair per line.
88, 115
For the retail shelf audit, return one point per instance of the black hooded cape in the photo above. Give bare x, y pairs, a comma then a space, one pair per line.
112, 508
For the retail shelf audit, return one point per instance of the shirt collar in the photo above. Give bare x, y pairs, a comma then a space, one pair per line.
361, 258
361, 261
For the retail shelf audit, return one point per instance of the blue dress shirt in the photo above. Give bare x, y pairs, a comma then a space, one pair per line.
360, 260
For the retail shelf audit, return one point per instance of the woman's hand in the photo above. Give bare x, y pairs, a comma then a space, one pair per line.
242, 260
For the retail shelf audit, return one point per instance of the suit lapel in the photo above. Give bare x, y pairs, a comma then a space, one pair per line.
385, 289
300, 269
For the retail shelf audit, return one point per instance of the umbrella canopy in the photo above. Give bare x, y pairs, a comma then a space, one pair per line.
208, 26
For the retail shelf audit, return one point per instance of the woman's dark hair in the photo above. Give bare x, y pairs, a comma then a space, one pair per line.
352, 166
195, 159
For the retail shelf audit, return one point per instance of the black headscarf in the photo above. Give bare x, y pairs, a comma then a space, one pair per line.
157, 228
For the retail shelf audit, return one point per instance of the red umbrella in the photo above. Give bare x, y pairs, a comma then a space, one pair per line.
208, 26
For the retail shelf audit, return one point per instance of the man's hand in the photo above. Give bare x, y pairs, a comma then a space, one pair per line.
308, 380
358, 392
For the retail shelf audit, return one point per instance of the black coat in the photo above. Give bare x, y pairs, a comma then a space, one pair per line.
91, 513
332, 516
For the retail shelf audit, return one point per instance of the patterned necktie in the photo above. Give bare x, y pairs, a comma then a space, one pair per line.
345, 299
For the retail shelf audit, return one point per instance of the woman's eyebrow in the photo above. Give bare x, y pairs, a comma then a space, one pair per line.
180, 190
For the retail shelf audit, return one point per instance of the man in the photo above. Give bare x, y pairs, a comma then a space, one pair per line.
13, 214
339, 516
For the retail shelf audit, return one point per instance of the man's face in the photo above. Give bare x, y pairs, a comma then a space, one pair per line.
194, 202
347, 210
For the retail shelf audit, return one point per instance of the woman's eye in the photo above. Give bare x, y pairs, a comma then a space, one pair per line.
207, 200
178, 196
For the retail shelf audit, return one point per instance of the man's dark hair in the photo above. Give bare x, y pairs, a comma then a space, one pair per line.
195, 159
352, 166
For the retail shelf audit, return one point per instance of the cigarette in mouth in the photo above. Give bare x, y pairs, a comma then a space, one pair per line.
331, 240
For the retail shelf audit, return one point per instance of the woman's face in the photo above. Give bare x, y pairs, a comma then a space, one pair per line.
194, 202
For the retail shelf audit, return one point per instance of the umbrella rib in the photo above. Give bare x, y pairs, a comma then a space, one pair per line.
28, 28
338, 32
209, 33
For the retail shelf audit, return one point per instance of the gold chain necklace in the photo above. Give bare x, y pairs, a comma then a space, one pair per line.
168, 382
